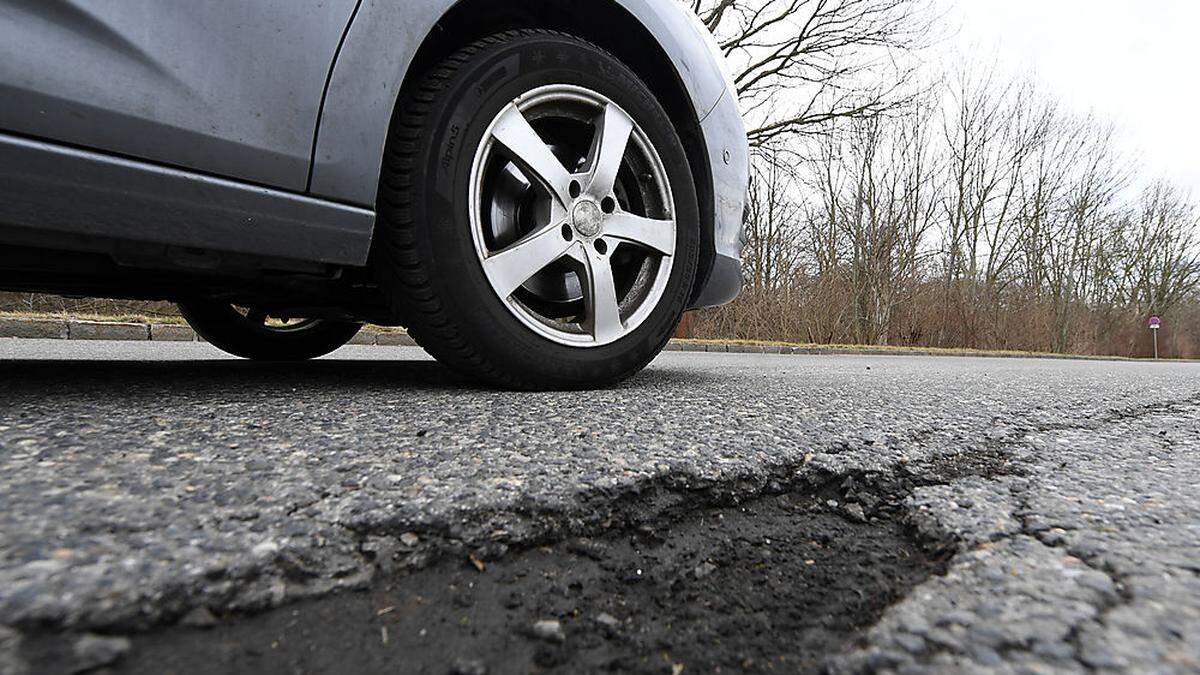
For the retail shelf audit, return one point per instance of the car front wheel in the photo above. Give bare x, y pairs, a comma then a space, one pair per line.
538, 219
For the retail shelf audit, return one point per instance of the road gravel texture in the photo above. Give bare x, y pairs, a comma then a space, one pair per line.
144, 486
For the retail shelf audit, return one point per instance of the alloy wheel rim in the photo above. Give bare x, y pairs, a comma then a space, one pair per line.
261, 320
572, 216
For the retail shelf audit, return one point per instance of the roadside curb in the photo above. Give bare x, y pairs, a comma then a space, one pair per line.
850, 350
72, 329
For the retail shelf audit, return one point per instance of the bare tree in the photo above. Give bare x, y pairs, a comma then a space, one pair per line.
1161, 263
874, 183
800, 63
1077, 237
772, 256
992, 129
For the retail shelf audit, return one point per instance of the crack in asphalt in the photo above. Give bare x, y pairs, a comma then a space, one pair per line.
1126, 414
1024, 512
1108, 602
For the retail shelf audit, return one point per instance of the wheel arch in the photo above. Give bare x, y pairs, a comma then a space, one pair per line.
652, 40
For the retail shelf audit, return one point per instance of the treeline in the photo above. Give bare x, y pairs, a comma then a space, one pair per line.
976, 211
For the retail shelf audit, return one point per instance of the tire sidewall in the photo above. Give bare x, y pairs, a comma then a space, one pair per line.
459, 120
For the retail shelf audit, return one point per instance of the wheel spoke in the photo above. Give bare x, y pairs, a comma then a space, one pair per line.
603, 308
613, 129
656, 235
528, 149
512, 267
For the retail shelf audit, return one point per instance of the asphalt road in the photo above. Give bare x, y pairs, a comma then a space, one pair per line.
142, 481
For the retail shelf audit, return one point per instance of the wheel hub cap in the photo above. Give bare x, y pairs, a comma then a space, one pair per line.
586, 218
571, 213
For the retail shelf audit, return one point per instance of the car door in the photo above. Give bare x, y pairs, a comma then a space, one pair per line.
225, 87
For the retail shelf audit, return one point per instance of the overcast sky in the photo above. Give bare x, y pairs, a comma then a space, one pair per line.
1135, 62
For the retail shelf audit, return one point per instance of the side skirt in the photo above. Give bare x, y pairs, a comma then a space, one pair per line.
54, 189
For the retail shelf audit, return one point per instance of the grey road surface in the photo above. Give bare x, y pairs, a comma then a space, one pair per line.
141, 481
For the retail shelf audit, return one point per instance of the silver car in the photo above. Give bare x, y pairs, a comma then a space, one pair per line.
536, 189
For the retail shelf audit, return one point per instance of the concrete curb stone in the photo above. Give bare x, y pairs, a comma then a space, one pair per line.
165, 332
100, 330
394, 340
745, 349
33, 328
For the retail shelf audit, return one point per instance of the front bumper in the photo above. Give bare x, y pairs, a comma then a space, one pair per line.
723, 285
729, 157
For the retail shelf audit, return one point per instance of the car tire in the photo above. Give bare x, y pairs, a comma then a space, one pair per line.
450, 224
251, 337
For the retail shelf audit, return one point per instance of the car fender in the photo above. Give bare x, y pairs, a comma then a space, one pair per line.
379, 48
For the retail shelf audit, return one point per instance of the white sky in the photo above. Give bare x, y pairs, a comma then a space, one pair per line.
1136, 63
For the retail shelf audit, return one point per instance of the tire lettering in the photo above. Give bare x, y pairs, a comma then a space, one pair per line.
451, 144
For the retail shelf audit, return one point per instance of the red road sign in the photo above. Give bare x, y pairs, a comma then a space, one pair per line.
1155, 323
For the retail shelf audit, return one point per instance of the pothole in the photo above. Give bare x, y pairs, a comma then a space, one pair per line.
773, 585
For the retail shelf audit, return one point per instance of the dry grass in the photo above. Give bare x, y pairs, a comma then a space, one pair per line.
88, 316
138, 318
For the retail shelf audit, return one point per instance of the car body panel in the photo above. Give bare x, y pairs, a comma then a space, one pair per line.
729, 157
375, 58
49, 188
226, 88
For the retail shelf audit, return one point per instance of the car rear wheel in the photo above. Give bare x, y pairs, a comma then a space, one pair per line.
253, 334
538, 220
